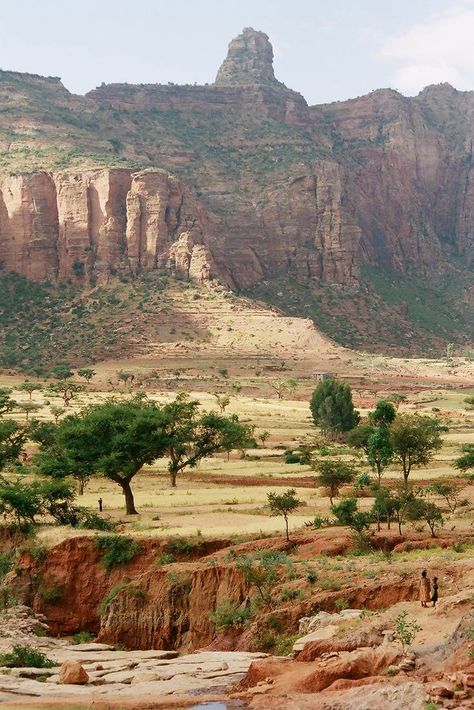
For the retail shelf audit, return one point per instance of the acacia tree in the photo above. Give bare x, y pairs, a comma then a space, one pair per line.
283, 504
332, 408
6, 402
66, 389
193, 435
87, 373
28, 408
222, 401
29, 387
466, 461
333, 475
383, 506
281, 386
451, 492
415, 439
115, 439
12, 440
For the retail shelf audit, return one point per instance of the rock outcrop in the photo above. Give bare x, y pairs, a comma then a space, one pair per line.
249, 60
98, 222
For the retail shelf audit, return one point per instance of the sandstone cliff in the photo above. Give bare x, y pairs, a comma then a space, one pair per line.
266, 186
95, 223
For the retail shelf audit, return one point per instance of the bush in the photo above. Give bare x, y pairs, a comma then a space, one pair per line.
119, 549
83, 637
165, 559
405, 631
110, 596
51, 594
291, 457
291, 594
228, 614
181, 546
92, 521
6, 562
25, 657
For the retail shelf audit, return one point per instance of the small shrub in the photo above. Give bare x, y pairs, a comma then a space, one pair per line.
291, 594
319, 522
25, 657
51, 594
181, 546
284, 644
265, 641
92, 521
405, 631
119, 549
38, 552
341, 604
6, 562
290, 457
312, 576
165, 559
83, 637
227, 615
110, 596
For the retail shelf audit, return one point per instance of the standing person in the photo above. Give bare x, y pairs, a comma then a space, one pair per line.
100, 505
425, 589
434, 596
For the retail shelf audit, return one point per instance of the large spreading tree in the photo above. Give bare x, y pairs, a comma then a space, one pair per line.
193, 435
114, 439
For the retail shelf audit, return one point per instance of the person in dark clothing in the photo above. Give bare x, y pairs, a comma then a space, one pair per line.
434, 596
100, 505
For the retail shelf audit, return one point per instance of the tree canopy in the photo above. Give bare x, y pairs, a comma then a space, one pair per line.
334, 474
115, 439
193, 435
332, 407
415, 439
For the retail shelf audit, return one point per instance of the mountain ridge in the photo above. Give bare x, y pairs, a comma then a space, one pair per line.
275, 188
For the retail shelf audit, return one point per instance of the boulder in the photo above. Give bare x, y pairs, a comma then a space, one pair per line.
72, 673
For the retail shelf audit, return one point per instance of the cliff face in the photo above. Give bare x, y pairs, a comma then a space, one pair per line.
264, 185
96, 223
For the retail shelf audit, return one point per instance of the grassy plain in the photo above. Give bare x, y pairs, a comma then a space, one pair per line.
222, 497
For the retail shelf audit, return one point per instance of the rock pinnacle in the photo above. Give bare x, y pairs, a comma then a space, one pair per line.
249, 60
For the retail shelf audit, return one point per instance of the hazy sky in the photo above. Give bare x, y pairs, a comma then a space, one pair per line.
326, 49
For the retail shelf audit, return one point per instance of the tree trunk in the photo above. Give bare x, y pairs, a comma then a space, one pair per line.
129, 501
378, 521
287, 531
173, 475
388, 521
81, 486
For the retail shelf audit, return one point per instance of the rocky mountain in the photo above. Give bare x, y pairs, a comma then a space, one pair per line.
359, 214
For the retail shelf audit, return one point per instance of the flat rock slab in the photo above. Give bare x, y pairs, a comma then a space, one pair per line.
134, 674
70, 653
92, 647
325, 632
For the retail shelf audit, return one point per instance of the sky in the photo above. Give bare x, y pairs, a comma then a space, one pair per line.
328, 50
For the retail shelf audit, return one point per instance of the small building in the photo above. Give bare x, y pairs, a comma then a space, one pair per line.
320, 376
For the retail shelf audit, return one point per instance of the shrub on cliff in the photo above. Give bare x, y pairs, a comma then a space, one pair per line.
228, 615
118, 550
